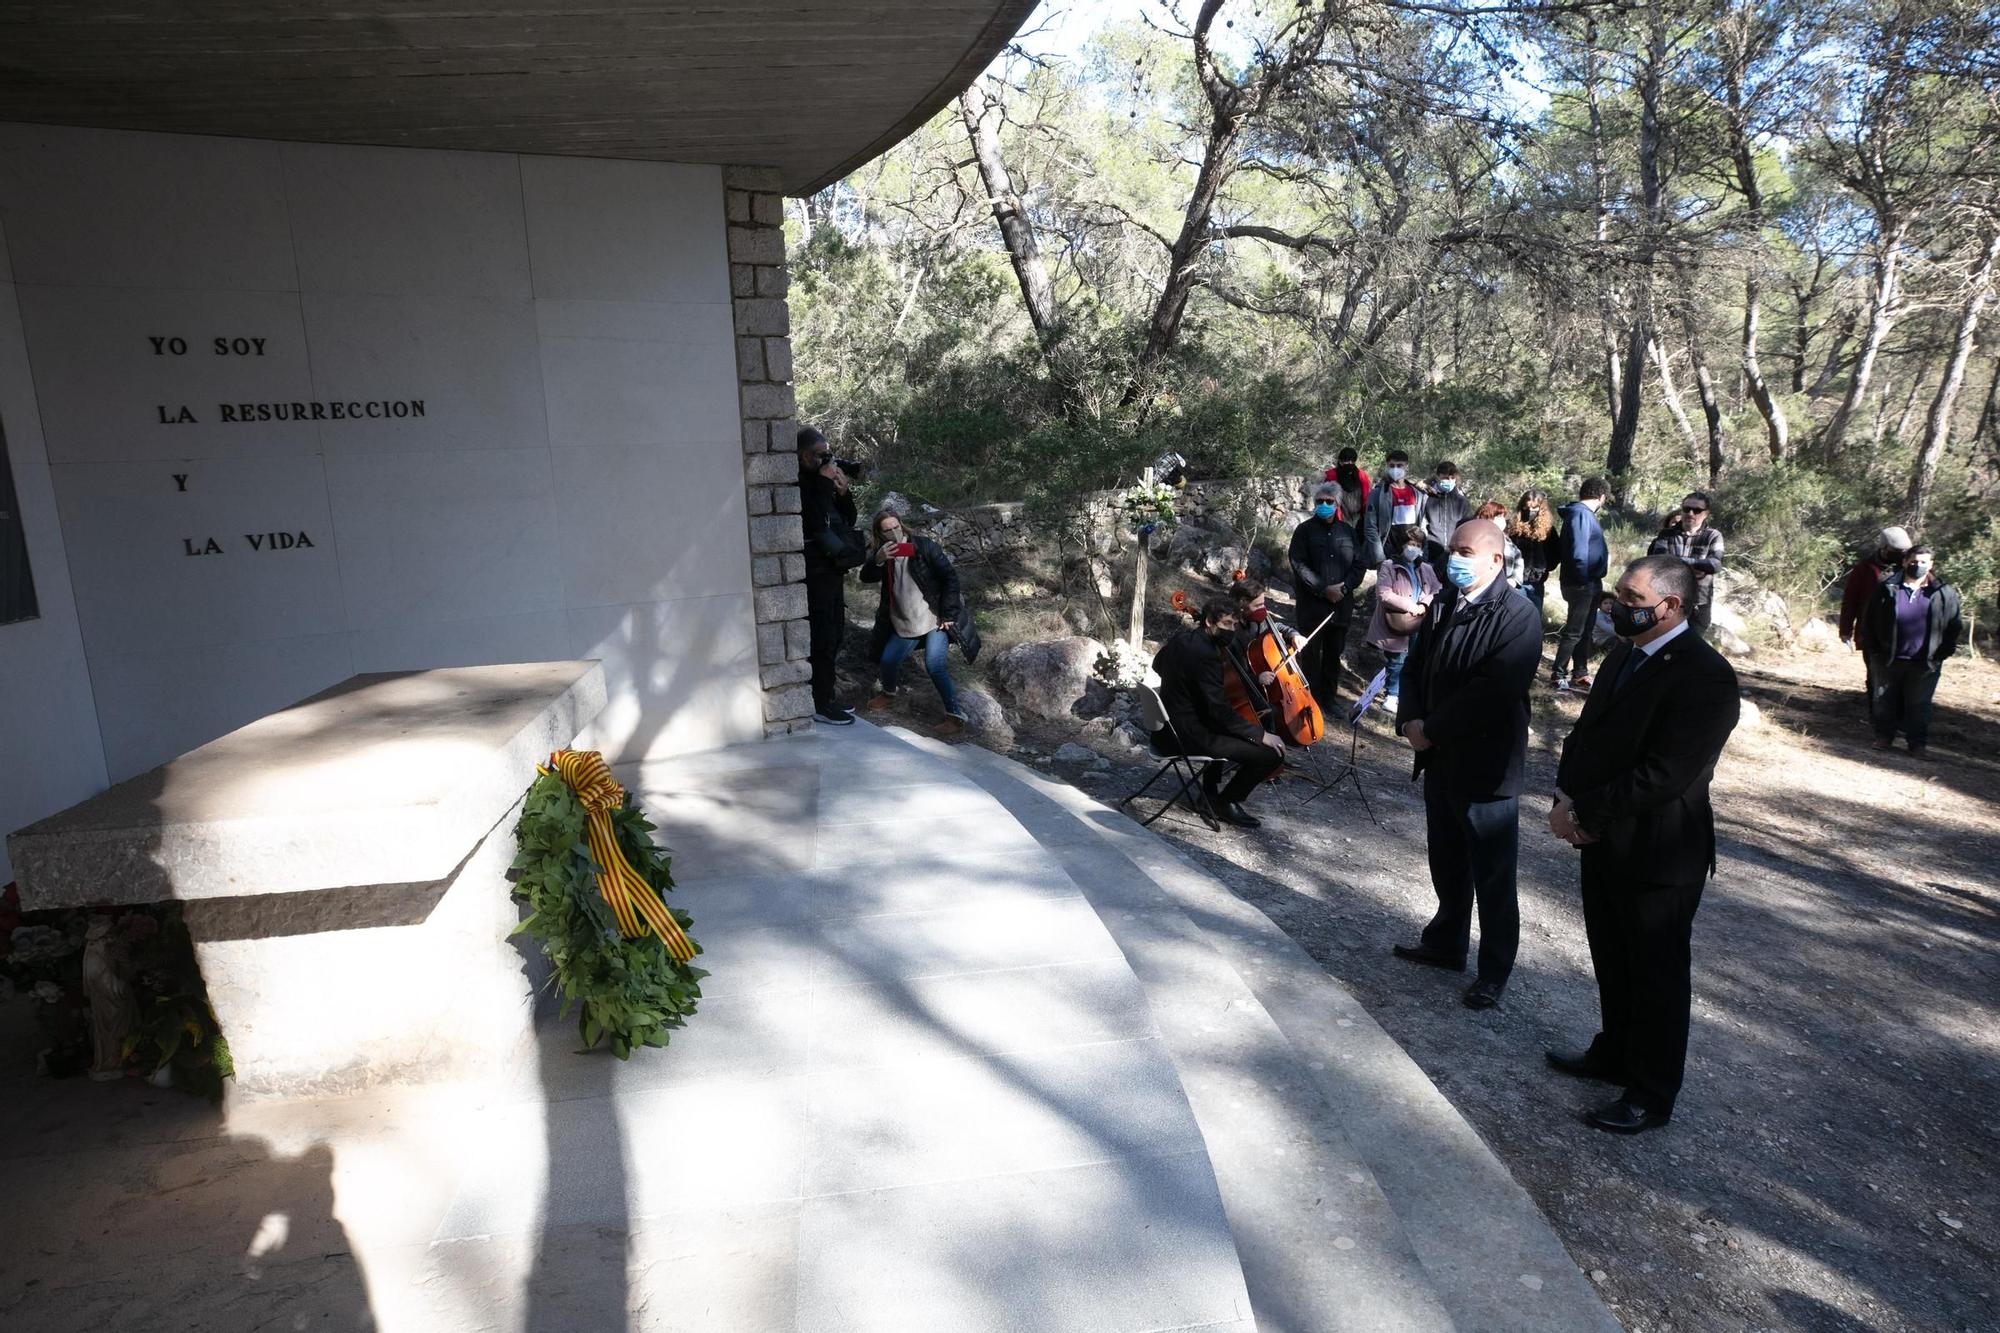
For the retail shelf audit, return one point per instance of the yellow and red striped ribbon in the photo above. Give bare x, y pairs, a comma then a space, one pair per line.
634, 902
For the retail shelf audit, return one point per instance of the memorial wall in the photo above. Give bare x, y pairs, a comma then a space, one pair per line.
279, 413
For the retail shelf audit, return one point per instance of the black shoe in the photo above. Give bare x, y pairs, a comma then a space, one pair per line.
1578, 1064
833, 715
1428, 957
1484, 994
1232, 812
1626, 1117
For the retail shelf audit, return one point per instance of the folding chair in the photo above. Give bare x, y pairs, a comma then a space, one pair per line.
1185, 768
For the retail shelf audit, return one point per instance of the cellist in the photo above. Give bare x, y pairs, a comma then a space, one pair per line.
1253, 622
1190, 667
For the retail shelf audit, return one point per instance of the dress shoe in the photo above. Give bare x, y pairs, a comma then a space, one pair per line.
1578, 1064
1428, 957
1920, 751
1625, 1117
1484, 994
1232, 812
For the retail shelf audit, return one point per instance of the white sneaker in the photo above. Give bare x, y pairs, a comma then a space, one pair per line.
1388, 704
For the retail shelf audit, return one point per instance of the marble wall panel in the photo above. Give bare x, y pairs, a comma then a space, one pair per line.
473, 364
539, 636
625, 231
51, 754
106, 208
574, 485
650, 522
622, 374
104, 389
400, 222
686, 673
444, 536
275, 573
158, 704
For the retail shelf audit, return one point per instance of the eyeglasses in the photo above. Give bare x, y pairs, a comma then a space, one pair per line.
1697, 509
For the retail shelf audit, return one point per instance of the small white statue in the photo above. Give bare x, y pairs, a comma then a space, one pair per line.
112, 1009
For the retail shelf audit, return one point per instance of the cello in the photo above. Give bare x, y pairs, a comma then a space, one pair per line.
1294, 714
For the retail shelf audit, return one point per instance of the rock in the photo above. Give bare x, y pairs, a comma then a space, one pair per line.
1187, 543
892, 503
1069, 752
1136, 734
1816, 636
1046, 679
985, 718
1773, 609
1729, 643
1103, 578
1222, 562
1725, 615
1096, 700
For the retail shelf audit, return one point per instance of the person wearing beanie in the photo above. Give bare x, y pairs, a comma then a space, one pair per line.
1855, 594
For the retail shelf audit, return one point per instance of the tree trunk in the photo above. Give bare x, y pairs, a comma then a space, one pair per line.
1843, 334
1607, 311
1625, 428
1988, 427
1017, 231
1937, 430
1704, 382
1164, 329
1909, 405
1882, 314
1734, 32
1672, 397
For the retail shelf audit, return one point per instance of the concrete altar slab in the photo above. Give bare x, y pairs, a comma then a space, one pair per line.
344, 864
384, 780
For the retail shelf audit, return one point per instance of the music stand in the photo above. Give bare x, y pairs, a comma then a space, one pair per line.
1349, 770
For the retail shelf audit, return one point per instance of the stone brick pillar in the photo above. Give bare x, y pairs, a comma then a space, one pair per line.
757, 286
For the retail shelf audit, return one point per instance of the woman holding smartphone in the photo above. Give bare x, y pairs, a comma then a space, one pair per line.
920, 603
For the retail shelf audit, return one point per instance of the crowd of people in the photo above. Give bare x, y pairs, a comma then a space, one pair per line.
1457, 616
1459, 591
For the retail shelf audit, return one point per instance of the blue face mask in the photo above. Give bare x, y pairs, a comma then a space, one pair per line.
1462, 570
1398, 473
1446, 485
1323, 510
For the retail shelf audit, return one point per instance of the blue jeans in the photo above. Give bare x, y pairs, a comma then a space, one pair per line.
898, 648
1392, 673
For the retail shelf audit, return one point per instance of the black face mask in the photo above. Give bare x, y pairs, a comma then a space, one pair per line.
1629, 622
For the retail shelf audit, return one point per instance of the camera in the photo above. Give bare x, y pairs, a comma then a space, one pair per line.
853, 467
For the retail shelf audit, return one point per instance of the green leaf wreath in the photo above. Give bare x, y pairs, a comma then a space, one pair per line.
629, 992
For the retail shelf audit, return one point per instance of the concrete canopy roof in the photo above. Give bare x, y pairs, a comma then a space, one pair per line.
812, 88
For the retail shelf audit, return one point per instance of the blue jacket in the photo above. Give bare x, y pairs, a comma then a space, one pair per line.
1585, 558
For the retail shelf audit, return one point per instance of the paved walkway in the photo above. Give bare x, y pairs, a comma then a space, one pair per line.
967, 1061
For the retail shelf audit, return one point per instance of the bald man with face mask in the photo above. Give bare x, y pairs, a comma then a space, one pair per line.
1464, 711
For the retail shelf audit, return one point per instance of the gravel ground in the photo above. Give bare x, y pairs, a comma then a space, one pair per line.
1831, 1165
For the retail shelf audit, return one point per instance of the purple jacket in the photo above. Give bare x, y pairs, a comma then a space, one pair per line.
1393, 592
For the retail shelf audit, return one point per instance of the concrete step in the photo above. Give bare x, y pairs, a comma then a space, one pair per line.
1320, 1243
1487, 1258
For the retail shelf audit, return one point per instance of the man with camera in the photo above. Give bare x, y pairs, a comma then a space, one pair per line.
1690, 539
833, 546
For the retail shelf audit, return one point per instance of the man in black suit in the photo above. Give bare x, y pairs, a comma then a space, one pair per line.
1632, 793
1190, 669
1464, 710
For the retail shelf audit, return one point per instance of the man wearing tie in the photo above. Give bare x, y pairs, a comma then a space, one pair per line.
1632, 794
